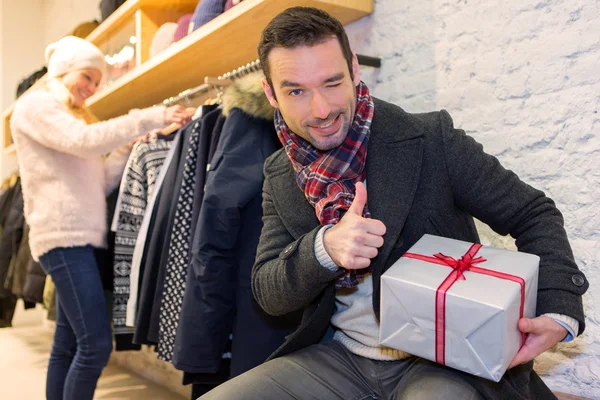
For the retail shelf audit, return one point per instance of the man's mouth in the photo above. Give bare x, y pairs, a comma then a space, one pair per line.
329, 127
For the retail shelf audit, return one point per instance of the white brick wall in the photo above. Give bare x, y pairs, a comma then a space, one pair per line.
521, 76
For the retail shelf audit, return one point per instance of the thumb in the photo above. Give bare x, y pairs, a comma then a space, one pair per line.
360, 199
528, 325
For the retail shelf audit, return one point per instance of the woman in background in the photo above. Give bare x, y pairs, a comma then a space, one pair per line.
69, 162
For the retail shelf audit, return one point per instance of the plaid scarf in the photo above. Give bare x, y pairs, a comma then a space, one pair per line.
328, 178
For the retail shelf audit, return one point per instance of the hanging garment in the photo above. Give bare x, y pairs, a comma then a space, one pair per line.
224, 247
17, 272
194, 171
50, 298
156, 245
202, 167
136, 188
11, 222
34, 282
148, 318
12, 233
138, 251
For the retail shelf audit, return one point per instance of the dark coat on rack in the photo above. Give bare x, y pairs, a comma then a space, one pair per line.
218, 298
11, 222
17, 273
12, 233
34, 282
212, 125
156, 253
193, 172
159, 230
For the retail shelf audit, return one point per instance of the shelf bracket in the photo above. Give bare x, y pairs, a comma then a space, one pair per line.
369, 61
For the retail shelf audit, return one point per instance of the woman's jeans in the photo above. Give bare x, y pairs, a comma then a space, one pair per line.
83, 338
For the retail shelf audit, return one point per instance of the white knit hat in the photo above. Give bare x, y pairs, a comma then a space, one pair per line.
72, 53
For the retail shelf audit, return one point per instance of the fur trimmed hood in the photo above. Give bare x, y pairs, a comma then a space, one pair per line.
247, 94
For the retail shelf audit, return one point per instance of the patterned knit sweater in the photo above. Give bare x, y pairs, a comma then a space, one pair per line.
136, 189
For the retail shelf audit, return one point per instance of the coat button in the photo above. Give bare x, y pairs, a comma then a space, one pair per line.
578, 280
288, 249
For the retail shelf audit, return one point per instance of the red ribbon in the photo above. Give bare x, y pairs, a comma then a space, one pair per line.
466, 263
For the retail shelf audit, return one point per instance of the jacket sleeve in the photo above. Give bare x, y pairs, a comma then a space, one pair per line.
496, 196
43, 118
286, 275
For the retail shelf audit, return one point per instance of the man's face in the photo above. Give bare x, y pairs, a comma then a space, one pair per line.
314, 91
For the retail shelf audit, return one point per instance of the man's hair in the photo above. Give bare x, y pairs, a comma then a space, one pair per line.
301, 26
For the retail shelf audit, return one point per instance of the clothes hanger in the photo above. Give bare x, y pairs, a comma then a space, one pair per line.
175, 126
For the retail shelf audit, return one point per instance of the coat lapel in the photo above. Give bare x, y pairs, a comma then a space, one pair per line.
296, 213
394, 160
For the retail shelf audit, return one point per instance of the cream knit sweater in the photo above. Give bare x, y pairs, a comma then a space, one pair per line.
64, 172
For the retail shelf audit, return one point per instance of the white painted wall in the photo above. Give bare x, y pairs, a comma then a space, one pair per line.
521, 76
22, 51
62, 16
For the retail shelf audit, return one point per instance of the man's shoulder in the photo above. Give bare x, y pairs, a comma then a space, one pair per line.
277, 163
394, 120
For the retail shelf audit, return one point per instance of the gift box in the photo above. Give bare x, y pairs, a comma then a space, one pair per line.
458, 304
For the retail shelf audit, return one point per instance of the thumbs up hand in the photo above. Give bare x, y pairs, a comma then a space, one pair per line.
354, 241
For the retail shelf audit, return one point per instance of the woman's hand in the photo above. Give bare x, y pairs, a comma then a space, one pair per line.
177, 115
153, 134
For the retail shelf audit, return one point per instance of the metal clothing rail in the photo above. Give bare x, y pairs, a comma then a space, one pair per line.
205, 88
242, 71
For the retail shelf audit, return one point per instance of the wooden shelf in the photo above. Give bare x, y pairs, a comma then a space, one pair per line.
222, 45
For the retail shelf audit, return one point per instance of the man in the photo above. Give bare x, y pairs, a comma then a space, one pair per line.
325, 243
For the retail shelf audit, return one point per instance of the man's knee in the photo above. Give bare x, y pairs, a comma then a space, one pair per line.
436, 384
253, 384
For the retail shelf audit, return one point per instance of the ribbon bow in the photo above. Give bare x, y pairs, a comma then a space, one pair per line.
463, 264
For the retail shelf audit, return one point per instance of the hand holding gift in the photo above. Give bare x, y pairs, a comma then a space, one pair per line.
542, 334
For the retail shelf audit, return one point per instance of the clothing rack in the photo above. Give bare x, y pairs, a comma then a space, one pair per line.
204, 88
245, 70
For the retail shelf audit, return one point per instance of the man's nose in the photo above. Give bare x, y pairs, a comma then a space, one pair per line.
320, 106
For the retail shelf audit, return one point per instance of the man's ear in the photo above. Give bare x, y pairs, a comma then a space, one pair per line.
269, 93
355, 69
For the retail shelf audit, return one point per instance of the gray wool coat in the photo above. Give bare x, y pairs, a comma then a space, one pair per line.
424, 176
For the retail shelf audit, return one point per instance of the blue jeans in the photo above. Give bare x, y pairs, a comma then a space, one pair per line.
83, 337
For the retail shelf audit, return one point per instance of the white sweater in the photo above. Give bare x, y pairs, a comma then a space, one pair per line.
65, 176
